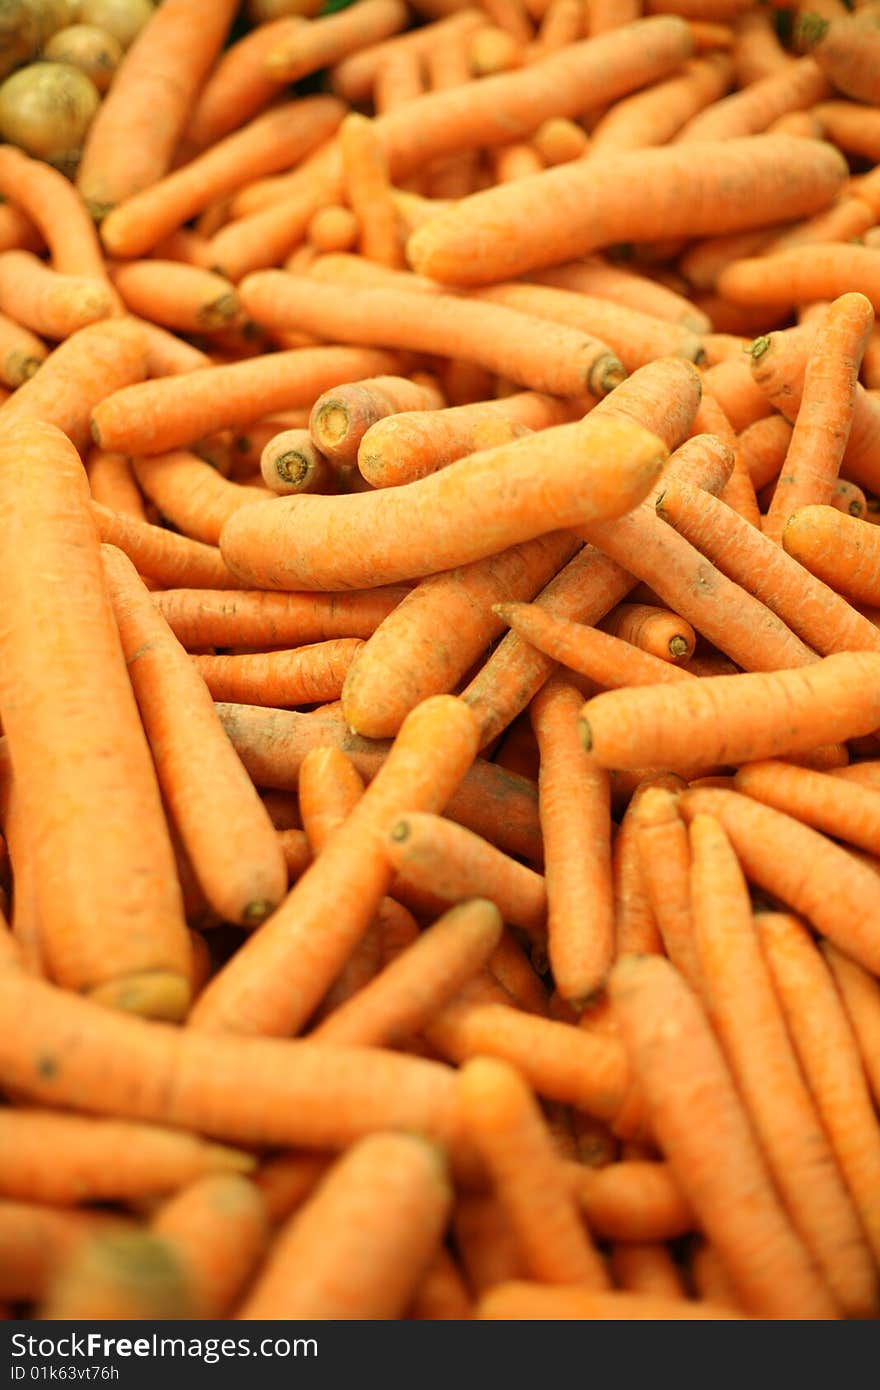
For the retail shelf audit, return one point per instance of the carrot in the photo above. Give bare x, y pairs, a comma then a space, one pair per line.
333, 228
17, 232
845, 220
847, 50
191, 494
323, 42
738, 993
162, 556
48, 303
675, 1064
840, 809
367, 189
454, 864
112, 483
36, 1241
635, 924
860, 993
360, 1245
383, 682
239, 85
286, 1179
174, 411
750, 111
655, 630
665, 858
538, 354
290, 463
354, 78
849, 497
828, 1054
214, 805
852, 127
793, 863
757, 51
512, 968
484, 1241
266, 1092
264, 238
574, 803
400, 449
119, 1275
302, 676
634, 1201
182, 297
216, 1230
838, 549
604, 15
656, 115
442, 1295
521, 1301
226, 618
157, 1161
131, 141
21, 352
606, 281
502, 1117
562, 23
646, 1268
764, 178
112, 927
817, 613
742, 399
560, 140
340, 418
399, 79
703, 261
168, 355
763, 446
48, 201
821, 271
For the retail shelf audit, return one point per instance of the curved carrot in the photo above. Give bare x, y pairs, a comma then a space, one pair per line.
51, 304
719, 1165
161, 555
47, 198
112, 483
217, 1230
328, 40
191, 494
657, 114
21, 352
635, 1200
838, 549
230, 618
513, 1301
341, 417
239, 85
303, 676
131, 141
111, 919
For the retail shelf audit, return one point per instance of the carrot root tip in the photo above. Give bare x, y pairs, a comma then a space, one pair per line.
257, 912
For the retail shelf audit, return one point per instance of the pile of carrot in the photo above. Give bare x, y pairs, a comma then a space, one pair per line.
440, 670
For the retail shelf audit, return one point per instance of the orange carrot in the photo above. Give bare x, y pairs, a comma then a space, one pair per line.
763, 446
191, 494
750, 111
36, 1241
239, 85
793, 863
847, 49
632, 1201
656, 115
742, 400
838, 549
860, 993
360, 1245
21, 352
48, 200
844, 810
399, 79
665, 857
353, 78
757, 51
226, 618
303, 676
442, 1295
163, 556
648, 1269
290, 463
367, 188
849, 497
595, 276
17, 232
851, 126
560, 140
217, 1230
655, 630
51, 304
111, 918
182, 297
765, 177
332, 229
131, 141
127, 1274
675, 1065
286, 1179
112, 483
224, 826
340, 418
514, 1301
803, 273
323, 42
484, 1241
635, 925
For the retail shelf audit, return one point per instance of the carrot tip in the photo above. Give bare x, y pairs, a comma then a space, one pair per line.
257, 912
678, 646
757, 348
586, 733
332, 422
400, 831
158, 994
292, 467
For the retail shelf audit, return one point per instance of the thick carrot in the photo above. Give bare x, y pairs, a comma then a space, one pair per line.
501, 1116
239, 85
656, 115
750, 111
534, 352
326, 41
574, 209
718, 1164
224, 826
847, 49
360, 1245
803, 273
48, 200
333, 228
340, 418
175, 411
148, 1160
131, 141
384, 681
737, 990
829, 1057
860, 993
838, 549
845, 220
844, 810
795, 864
665, 857
742, 400
21, 352
50, 304
850, 498
182, 297
520, 1301
565, 465
303, 676
816, 612
574, 804
226, 618
160, 555
286, 1179
111, 918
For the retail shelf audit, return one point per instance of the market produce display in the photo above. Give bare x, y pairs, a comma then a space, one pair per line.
439, 660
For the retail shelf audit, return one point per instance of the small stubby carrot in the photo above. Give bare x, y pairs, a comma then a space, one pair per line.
266, 237
191, 494
149, 1160
112, 483
635, 1200
850, 498
217, 1229
679, 1064
47, 302
384, 682
131, 142
160, 555
575, 807
361, 1244
174, 411
182, 297
816, 612
841, 809
766, 177
794, 715
560, 140
860, 993
367, 190
795, 864
230, 618
224, 826
576, 457
111, 916
847, 49
838, 549
829, 1057
341, 417
435, 854
655, 630
425, 977
327, 41
656, 115
665, 856
48, 200
737, 989
501, 1116
301, 676
291, 463
21, 353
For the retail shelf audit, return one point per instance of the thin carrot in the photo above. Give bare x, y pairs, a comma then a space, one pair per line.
302, 676
174, 411
646, 1268
131, 141
795, 864
750, 111
738, 993
828, 1053
341, 417
360, 1245
860, 993
675, 1064
354, 78
112, 483
161, 555
765, 177
48, 200
227, 618
838, 549
50, 304
845, 220
239, 85
367, 189
757, 50
111, 921
665, 857
607, 660
635, 924
191, 494
149, 1160
656, 115
763, 446
17, 232
323, 42
655, 630
844, 810
593, 275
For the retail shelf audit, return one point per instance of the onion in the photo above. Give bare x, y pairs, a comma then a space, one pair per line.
19, 34
92, 50
124, 19
46, 109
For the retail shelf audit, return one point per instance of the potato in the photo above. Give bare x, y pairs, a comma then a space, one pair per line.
19, 34
92, 50
46, 109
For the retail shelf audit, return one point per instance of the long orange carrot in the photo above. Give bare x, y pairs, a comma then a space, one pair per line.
238, 86
161, 555
655, 115
840, 550
49, 303
750, 111
512, 1301
665, 857
191, 494
109, 902
46, 197
230, 618
602, 658
842, 809
328, 40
